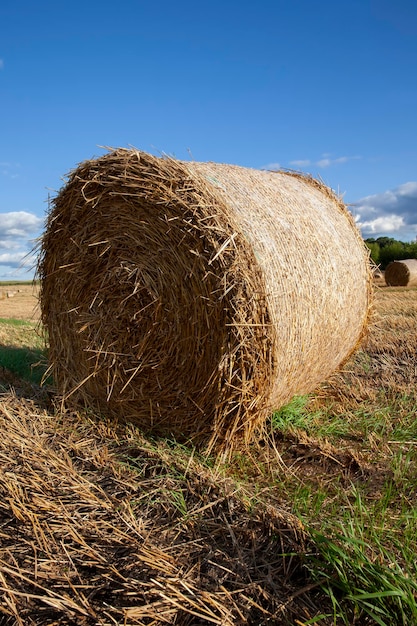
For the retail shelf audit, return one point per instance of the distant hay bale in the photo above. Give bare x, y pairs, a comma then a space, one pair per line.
192, 299
401, 273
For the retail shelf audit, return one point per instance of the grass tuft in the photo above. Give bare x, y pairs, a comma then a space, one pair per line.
22, 350
362, 579
292, 415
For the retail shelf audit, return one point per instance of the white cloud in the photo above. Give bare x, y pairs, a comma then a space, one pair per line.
1, 64
301, 163
272, 167
382, 225
324, 163
6, 244
18, 230
327, 161
392, 212
408, 189
19, 224
14, 258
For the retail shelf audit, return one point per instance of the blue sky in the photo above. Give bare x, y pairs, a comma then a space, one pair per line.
327, 87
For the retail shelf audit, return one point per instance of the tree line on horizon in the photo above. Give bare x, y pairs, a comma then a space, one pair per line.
386, 249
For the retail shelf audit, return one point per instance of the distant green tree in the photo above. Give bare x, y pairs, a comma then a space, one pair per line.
385, 241
413, 250
395, 251
386, 249
374, 249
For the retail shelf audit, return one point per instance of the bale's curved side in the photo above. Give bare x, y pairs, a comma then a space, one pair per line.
401, 273
315, 266
194, 298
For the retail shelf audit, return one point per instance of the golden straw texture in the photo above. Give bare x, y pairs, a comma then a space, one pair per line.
194, 298
402, 273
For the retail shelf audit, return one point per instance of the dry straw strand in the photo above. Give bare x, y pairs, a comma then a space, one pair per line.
192, 299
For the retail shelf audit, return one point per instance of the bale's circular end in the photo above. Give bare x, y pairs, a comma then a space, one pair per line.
401, 273
193, 298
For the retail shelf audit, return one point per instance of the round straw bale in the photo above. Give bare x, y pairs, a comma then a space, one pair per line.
401, 273
192, 299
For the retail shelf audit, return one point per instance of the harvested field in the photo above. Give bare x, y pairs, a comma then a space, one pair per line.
100, 525
22, 305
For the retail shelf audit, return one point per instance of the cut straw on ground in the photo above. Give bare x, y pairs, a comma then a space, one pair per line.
93, 531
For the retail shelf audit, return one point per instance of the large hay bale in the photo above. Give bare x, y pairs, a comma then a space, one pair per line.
401, 273
194, 298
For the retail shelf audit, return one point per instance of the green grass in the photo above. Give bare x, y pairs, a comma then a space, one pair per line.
26, 363
15, 323
293, 415
362, 518
11, 283
22, 350
363, 525
356, 577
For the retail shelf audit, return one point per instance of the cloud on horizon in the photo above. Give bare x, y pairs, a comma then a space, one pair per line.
325, 161
272, 167
18, 229
391, 213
